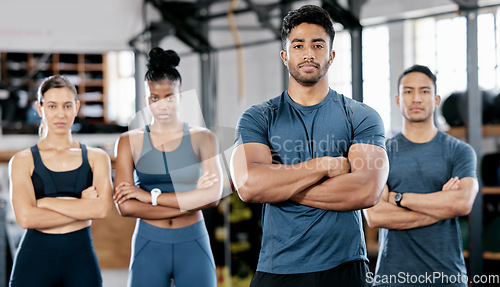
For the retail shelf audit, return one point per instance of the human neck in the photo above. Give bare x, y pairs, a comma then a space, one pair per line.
420, 132
169, 127
308, 95
58, 141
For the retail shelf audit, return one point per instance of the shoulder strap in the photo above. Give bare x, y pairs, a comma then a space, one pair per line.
81, 179
84, 153
42, 171
185, 129
146, 141
37, 160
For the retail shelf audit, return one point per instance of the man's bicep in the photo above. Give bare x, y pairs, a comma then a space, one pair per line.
464, 162
368, 157
252, 127
370, 168
368, 127
251, 153
469, 185
246, 155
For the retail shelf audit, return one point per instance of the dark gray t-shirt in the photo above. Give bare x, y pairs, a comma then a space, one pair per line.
410, 254
298, 238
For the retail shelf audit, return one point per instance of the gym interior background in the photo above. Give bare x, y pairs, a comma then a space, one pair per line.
230, 60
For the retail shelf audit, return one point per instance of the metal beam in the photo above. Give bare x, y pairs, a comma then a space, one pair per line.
140, 60
285, 7
466, 4
357, 51
474, 123
357, 62
262, 12
430, 15
350, 21
341, 15
355, 7
208, 96
183, 16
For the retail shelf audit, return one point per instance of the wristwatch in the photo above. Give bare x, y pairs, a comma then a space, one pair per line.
397, 198
155, 192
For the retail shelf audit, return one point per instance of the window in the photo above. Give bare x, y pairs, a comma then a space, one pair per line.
376, 82
441, 44
340, 76
376, 75
121, 87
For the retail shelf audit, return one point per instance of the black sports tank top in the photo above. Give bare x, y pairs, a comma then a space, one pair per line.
69, 183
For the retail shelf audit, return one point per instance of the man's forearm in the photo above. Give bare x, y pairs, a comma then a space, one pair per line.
279, 182
390, 216
441, 204
343, 193
359, 189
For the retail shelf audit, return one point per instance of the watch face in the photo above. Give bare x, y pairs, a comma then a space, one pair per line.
397, 197
156, 191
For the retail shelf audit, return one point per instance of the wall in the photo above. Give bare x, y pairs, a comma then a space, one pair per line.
73, 26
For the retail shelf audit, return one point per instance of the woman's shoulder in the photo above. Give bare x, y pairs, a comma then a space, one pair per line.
22, 155
133, 133
21, 158
96, 151
203, 139
200, 133
132, 136
96, 154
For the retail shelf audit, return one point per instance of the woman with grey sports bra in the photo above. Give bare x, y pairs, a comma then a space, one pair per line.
57, 187
166, 173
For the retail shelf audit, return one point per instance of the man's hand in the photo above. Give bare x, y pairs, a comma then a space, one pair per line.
335, 166
452, 184
126, 191
391, 198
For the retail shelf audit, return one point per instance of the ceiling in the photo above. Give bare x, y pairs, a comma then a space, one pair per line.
195, 22
101, 26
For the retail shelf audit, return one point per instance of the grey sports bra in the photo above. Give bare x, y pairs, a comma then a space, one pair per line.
174, 171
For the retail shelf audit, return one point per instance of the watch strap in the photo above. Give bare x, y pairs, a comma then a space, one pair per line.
400, 197
155, 193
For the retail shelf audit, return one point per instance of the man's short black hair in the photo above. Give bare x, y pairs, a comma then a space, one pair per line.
420, 69
310, 14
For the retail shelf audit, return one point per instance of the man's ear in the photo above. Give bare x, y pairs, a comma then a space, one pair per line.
332, 56
283, 57
438, 100
397, 100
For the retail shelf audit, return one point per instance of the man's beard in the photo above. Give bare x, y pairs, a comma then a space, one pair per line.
306, 79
